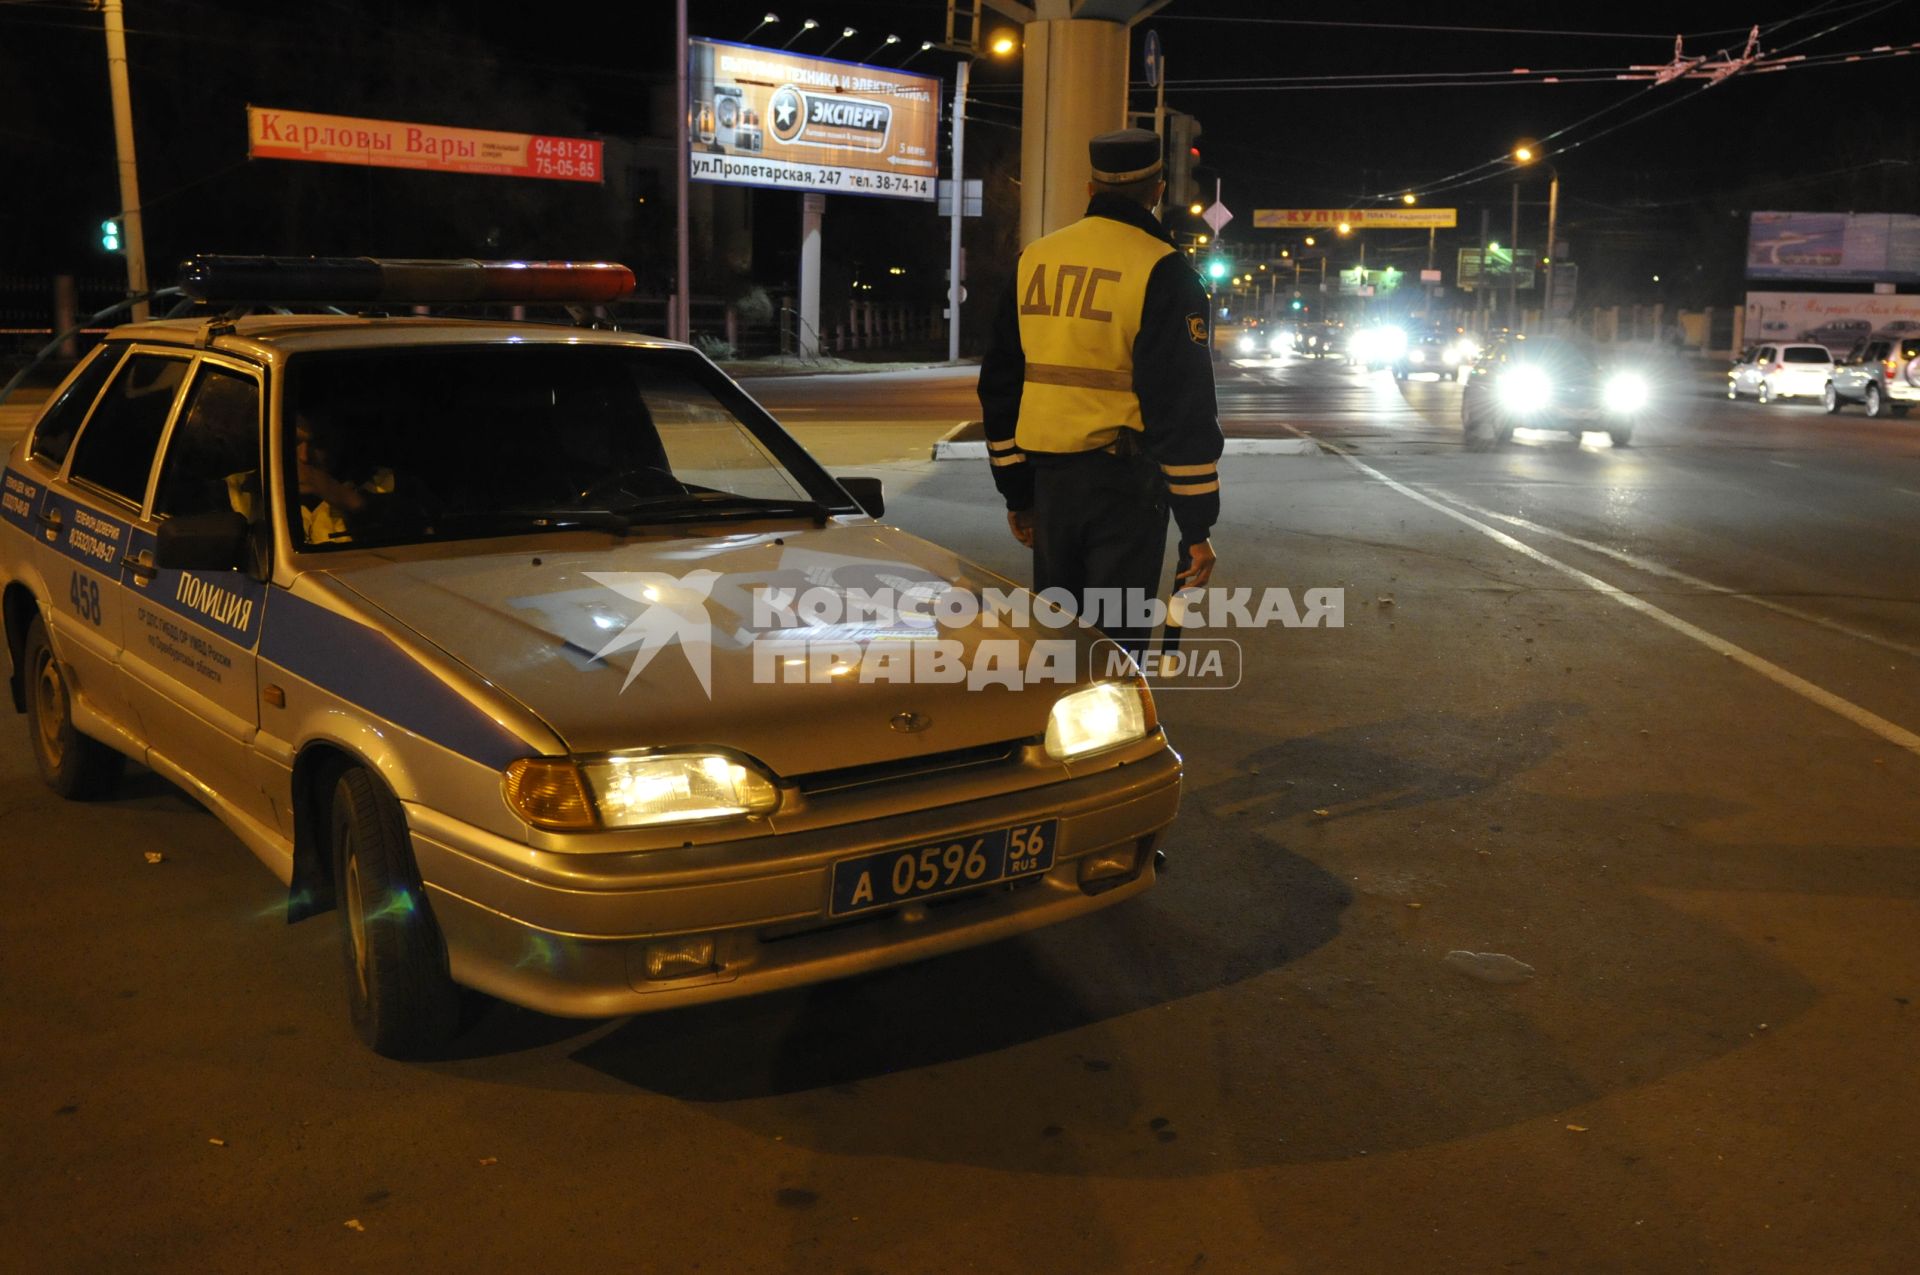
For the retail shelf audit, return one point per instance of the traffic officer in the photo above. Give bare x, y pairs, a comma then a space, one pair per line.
1097, 394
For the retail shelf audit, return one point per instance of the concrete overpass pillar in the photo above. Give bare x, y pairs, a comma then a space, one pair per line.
1075, 86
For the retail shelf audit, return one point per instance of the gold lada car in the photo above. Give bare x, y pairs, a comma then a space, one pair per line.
543, 656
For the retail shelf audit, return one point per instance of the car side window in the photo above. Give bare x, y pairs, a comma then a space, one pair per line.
1766, 354
213, 458
53, 436
115, 451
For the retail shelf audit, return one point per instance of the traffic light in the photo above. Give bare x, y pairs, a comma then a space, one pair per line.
1183, 155
1294, 304
1217, 268
110, 234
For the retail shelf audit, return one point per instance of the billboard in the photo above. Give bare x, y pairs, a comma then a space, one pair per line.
1358, 218
1833, 319
345, 139
1837, 247
761, 117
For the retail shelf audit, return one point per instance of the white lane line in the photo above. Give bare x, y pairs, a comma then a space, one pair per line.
1904, 491
1678, 577
1897, 735
1784, 464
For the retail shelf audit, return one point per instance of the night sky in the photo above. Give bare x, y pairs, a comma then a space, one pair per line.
1665, 191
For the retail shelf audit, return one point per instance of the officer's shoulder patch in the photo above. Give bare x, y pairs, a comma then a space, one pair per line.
1197, 328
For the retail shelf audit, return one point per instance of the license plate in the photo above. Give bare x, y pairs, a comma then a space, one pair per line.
941, 867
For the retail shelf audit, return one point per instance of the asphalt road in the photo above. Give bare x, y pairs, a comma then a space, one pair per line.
1639, 720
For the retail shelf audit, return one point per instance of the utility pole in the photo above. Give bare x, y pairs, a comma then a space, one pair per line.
130, 220
959, 208
1553, 251
1513, 264
681, 328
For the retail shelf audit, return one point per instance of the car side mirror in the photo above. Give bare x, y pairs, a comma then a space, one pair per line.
866, 492
214, 541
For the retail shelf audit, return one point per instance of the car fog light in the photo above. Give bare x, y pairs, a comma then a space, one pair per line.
680, 958
1106, 864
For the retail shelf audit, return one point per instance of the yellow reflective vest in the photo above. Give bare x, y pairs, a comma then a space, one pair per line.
1081, 290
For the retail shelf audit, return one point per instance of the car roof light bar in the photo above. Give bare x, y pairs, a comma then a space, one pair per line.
347, 280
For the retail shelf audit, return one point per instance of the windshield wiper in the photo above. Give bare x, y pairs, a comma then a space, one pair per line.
509, 521
702, 506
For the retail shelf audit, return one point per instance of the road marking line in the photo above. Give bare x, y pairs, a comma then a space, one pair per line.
1784, 464
1863, 718
1906, 491
1679, 577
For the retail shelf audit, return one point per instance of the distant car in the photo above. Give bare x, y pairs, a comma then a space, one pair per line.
373, 588
1882, 373
1436, 354
1552, 384
1781, 371
1252, 341
1841, 334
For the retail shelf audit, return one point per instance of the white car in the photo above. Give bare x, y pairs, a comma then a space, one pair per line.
1794, 370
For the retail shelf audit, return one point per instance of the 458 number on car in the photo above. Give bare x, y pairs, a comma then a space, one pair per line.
83, 593
893, 876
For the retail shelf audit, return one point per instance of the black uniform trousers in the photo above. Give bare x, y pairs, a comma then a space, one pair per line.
1100, 522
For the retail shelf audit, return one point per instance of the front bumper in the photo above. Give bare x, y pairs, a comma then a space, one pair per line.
577, 946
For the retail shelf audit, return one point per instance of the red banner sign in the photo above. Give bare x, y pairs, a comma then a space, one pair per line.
343, 139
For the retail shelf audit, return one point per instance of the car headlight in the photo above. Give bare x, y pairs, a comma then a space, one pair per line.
1104, 715
1525, 389
562, 795
1279, 344
1624, 392
1417, 356
1246, 345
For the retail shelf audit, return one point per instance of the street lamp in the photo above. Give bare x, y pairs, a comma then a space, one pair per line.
925, 46
884, 45
805, 27
1526, 154
846, 33
767, 21
1409, 198
959, 192
1003, 43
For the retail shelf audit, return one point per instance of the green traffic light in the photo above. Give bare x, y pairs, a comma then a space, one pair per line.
1216, 269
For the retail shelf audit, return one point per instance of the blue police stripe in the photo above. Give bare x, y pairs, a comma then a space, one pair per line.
364, 667
86, 535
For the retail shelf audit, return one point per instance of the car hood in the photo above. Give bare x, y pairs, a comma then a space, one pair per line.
562, 629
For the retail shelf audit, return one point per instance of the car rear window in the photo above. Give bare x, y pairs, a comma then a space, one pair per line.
1805, 354
53, 436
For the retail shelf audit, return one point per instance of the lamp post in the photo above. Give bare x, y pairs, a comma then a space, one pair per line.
885, 44
769, 20
805, 26
1525, 153
1003, 45
846, 33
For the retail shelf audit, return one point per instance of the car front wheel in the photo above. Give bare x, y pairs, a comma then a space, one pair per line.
1830, 399
1765, 393
73, 765
403, 1002
1876, 401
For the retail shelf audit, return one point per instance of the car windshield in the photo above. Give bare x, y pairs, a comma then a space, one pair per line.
1563, 358
1805, 354
407, 444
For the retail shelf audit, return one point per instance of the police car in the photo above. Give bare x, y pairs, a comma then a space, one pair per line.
543, 656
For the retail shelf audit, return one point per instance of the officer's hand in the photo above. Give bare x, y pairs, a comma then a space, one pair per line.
1020, 522
1200, 560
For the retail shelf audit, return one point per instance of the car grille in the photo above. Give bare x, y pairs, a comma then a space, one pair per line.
885, 772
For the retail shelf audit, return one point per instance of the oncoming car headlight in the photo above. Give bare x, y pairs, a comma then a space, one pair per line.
1247, 344
1416, 356
562, 795
1279, 343
1104, 715
1624, 392
1525, 389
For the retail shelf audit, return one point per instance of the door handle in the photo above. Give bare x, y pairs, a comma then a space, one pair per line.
141, 564
50, 519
